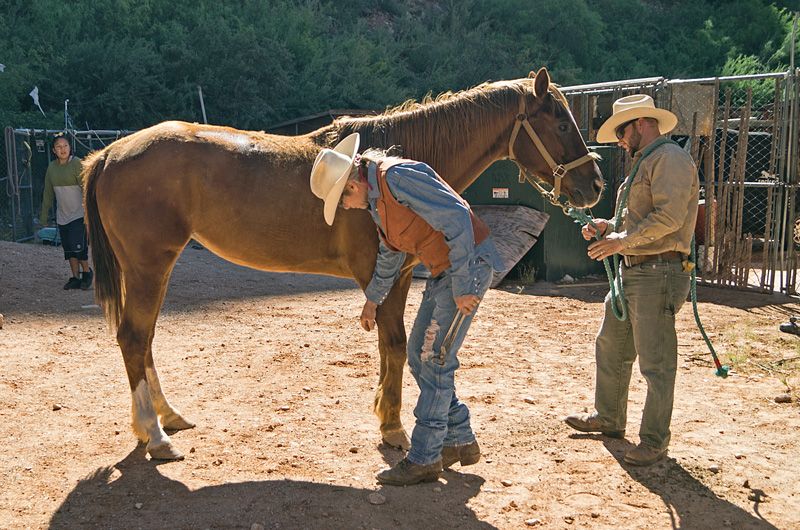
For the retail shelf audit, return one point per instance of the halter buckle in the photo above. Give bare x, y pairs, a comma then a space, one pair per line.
559, 171
522, 116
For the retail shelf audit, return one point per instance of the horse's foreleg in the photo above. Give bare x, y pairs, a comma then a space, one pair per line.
392, 347
143, 299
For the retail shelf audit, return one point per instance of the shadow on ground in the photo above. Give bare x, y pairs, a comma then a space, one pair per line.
690, 503
109, 499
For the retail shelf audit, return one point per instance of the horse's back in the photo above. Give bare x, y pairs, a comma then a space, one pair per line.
243, 194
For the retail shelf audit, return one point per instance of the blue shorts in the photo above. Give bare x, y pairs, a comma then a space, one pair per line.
73, 239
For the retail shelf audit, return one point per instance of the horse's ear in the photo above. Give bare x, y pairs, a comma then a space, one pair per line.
542, 83
531, 74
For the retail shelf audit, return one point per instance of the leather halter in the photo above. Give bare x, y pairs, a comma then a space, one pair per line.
559, 170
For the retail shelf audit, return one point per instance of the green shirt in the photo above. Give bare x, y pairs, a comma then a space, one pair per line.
63, 181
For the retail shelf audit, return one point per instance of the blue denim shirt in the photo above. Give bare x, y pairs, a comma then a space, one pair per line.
415, 186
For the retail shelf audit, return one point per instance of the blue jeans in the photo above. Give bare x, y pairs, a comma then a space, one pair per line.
441, 418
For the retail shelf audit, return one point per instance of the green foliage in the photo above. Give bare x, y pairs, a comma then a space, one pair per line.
129, 64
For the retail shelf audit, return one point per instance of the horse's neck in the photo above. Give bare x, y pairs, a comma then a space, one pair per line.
463, 160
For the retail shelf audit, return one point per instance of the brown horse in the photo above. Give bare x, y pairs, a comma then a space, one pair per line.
246, 197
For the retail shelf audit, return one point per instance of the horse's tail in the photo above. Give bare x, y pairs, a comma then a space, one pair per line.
109, 290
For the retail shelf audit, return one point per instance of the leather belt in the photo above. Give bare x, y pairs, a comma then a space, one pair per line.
671, 255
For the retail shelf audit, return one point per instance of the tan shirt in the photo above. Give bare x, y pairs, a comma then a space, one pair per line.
662, 204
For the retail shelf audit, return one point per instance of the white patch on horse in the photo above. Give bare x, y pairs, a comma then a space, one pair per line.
242, 141
428, 352
145, 421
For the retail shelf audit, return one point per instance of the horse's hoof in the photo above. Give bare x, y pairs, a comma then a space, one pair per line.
176, 423
398, 439
164, 451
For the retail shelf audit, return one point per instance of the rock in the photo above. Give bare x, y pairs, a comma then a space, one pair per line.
138, 505
738, 456
376, 498
569, 519
505, 482
191, 450
437, 489
306, 389
2, 320
533, 522
714, 468
746, 483
354, 450
756, 496
529, 400
284, 407
256, 526
57, 406
783, 398
595, 515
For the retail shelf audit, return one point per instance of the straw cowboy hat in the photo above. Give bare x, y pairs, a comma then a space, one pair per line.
330, 171
633, 107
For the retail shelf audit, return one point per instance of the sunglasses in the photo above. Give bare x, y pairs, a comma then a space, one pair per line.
620, 131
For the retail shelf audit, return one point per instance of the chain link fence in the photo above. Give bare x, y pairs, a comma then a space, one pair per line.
742, 133
26, 155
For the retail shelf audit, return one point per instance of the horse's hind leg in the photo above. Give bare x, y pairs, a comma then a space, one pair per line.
392, 346
145, 288
170, 418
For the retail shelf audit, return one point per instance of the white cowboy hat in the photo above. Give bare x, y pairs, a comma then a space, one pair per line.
330, 171
633, 107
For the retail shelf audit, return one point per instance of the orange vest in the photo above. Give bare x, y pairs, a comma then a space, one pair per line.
405, 231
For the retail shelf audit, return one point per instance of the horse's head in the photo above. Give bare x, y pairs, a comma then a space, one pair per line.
546, 143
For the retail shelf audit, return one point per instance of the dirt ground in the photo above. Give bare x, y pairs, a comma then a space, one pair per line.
280, 380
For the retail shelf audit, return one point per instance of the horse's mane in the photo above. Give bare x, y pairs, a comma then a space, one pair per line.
417, 127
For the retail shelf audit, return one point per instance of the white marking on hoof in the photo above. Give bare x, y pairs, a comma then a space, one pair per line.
397, 438
164, 451
146, 425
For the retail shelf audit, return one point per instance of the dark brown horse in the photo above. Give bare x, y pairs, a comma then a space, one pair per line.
246, 197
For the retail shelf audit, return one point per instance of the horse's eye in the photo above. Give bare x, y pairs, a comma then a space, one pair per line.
563, 127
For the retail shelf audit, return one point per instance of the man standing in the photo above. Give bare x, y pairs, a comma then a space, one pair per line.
416, 212
654, 236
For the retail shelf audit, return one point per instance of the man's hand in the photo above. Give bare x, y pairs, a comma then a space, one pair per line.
588, 231
368, 315
607, 247
467, 303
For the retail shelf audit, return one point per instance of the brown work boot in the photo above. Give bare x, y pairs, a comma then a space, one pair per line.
644, 455
406, 473
591, 423
466, 454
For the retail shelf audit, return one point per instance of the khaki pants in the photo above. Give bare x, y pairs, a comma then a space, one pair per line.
655, 291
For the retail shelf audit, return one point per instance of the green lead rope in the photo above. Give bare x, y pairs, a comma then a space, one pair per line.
618, 304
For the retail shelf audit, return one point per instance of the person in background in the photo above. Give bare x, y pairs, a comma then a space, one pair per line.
654, 237
418, 213
63, 182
